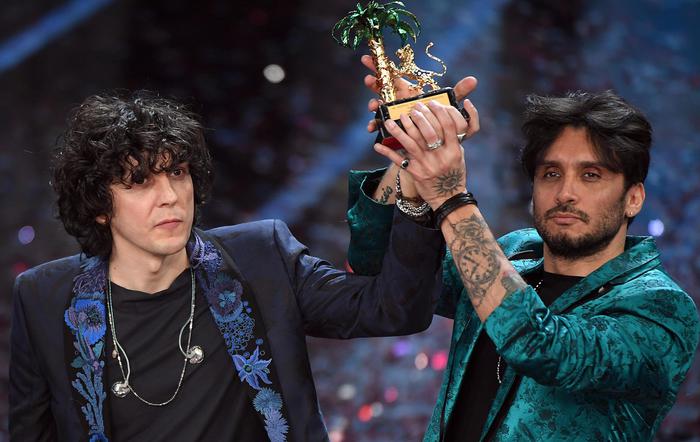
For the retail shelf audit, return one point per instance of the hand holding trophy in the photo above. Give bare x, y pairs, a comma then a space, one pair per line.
367, 23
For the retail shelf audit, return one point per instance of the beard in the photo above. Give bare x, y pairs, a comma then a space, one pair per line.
570, 248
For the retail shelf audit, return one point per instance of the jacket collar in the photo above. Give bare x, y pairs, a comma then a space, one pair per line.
525, 250
233, 306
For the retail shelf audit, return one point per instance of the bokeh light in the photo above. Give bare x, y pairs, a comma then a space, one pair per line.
26, 235
274, 73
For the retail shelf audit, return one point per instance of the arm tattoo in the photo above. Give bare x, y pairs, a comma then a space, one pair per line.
449, 183
512, 282
476, 257
385, 195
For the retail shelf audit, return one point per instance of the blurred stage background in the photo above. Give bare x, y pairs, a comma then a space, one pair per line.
284, 137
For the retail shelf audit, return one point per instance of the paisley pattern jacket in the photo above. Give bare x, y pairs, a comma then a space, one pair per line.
265, 293
603, 362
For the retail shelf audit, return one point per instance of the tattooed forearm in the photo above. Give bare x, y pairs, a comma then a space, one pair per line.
385, 195
476, 257
511, 282
449, 183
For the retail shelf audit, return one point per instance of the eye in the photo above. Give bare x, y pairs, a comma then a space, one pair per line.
550, 174
179, 171
138, 180
591, 176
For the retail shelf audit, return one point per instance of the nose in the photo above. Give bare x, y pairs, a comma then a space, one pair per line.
165, 191
567, 192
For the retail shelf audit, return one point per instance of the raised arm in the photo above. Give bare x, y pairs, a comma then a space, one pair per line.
385, 192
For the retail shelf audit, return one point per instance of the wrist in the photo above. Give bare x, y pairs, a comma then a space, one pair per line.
413, 207
436, 202
451, 204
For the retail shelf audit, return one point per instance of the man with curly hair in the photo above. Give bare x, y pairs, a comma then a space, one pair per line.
159, 330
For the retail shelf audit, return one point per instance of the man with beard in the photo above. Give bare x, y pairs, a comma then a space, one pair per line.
569, 331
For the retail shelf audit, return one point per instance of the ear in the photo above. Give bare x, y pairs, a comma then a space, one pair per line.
634, 199
101, 219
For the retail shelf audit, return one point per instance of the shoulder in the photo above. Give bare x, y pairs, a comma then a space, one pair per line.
658, 291
256, 229
52, 270
252, 235
48, 283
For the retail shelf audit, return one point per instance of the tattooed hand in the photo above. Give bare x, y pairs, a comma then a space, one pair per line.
441, 172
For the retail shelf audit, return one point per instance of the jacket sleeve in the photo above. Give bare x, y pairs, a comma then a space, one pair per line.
29, 396
398, 301
642, 345
370, 229
369, 222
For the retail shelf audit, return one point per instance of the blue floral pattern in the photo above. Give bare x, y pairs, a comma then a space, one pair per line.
85, 319
233, 312
250, 369
275, 425
267, 399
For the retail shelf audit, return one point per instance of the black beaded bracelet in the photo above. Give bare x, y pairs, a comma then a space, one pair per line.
453, 203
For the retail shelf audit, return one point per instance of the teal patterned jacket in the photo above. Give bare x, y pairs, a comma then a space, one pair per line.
603, 362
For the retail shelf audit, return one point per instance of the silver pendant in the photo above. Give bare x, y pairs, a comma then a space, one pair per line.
114, 354
120, 389
195, 355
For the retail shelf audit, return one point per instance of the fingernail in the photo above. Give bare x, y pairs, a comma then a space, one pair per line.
390, 123
416, 112
421, 106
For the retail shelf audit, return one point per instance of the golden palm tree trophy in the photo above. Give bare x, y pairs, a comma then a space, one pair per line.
367, 23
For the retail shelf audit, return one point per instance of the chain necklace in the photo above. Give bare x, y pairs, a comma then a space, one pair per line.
193, 355
498, 365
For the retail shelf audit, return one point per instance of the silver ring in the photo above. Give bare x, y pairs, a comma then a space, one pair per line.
435, 145
460, 137
404, 163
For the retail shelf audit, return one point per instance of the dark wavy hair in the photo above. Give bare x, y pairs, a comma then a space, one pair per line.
620, 133
122, 138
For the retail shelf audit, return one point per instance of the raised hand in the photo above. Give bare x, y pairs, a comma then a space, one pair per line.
434, 155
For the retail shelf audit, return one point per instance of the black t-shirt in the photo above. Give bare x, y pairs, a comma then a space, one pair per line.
212, 404
480, 383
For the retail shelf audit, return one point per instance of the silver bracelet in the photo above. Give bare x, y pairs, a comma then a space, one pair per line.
405, 206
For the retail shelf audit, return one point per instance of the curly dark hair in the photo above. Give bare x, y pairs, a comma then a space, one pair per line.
620, 133
122, 138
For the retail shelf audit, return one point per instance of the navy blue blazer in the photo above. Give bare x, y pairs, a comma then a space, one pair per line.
296, 294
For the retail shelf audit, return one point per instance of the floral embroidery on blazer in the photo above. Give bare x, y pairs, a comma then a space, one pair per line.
234, 311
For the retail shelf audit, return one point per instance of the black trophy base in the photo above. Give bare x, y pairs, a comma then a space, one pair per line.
395, 109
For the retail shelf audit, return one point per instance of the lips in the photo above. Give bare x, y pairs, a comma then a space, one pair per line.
564, 219
169, 223
564, 216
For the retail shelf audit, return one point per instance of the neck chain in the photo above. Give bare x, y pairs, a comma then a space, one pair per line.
193, 355
498, 365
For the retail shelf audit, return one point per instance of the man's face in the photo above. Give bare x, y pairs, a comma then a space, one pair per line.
579, 205
153, 218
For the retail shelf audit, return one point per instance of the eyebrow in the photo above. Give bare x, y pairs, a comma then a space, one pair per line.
582, 164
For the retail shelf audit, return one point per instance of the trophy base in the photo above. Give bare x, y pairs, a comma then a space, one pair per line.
395, 109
